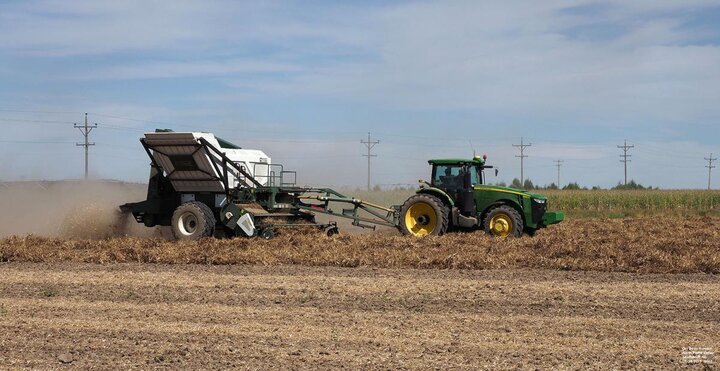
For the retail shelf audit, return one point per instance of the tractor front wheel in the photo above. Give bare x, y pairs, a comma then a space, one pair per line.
504, 221
193, 220
423, 215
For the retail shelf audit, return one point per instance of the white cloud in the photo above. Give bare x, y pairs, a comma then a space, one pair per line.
504, 58
623, 65
87, 27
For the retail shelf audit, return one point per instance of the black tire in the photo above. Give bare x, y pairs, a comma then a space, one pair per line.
332, 231
149, 220
504, 221
267, 234
424, 215
192, 221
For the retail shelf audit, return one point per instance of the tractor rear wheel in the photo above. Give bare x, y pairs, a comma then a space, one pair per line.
193, 220
504, 221
423, 215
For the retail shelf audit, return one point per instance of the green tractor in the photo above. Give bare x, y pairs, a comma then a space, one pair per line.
456, 198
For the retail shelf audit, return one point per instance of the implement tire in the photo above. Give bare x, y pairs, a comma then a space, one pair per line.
192, 221
504, 221
423, 215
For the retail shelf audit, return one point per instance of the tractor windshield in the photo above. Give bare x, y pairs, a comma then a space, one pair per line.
451, 177
448, 176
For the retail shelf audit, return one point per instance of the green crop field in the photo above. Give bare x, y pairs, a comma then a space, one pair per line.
616, 203
601, 203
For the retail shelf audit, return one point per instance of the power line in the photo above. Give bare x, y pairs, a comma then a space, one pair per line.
625, 147
34, 142
710, 167
54, 122
558, 163
137, 120
369, 144
35, 121
37, 111
522, 156
85, 130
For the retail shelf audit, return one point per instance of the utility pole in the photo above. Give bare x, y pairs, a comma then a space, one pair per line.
558, 163
522, 156
710, 167
369, 144
625, 147
85, 130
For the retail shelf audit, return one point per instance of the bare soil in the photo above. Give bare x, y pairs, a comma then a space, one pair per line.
86, 290
140, 316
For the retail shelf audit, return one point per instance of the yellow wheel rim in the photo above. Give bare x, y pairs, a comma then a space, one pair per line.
420, 219
501, 225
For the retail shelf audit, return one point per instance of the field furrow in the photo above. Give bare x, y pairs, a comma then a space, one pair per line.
170, 316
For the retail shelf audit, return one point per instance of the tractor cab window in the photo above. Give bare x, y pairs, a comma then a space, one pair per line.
476, 175
448, 176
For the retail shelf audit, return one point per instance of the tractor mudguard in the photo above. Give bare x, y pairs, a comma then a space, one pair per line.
439, 193
151, 212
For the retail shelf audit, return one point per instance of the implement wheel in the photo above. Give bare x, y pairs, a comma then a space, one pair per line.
267, 234
423, 215
504, 221
193, 220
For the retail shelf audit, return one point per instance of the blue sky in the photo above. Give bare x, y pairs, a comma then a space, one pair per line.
305, 81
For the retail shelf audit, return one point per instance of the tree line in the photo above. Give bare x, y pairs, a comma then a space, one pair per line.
529, 185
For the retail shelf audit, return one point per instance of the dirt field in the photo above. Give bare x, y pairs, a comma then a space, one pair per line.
85, 293
170, 316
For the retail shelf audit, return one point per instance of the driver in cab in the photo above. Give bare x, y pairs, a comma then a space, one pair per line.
450, 181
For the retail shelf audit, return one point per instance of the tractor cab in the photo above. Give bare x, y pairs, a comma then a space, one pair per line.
454, 174
458, 178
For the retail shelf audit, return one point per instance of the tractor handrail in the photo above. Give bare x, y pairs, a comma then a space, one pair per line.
274, 177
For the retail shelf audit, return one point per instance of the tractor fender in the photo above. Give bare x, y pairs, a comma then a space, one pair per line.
439, 193
505, 201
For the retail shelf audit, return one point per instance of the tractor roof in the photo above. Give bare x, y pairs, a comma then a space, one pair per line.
477, 160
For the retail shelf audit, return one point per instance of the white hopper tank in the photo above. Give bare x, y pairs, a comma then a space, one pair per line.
190, 168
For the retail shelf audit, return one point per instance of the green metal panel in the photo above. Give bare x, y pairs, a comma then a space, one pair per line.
486, 199
489, 196
437, 192
499, 189
553, 217
230, 214
226, 144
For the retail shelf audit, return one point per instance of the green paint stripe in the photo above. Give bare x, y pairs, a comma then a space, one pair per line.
480, 188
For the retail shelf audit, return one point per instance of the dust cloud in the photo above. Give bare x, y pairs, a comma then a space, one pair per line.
89, 210
70, 209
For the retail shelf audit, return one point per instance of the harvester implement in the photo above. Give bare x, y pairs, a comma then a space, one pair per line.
201, 186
